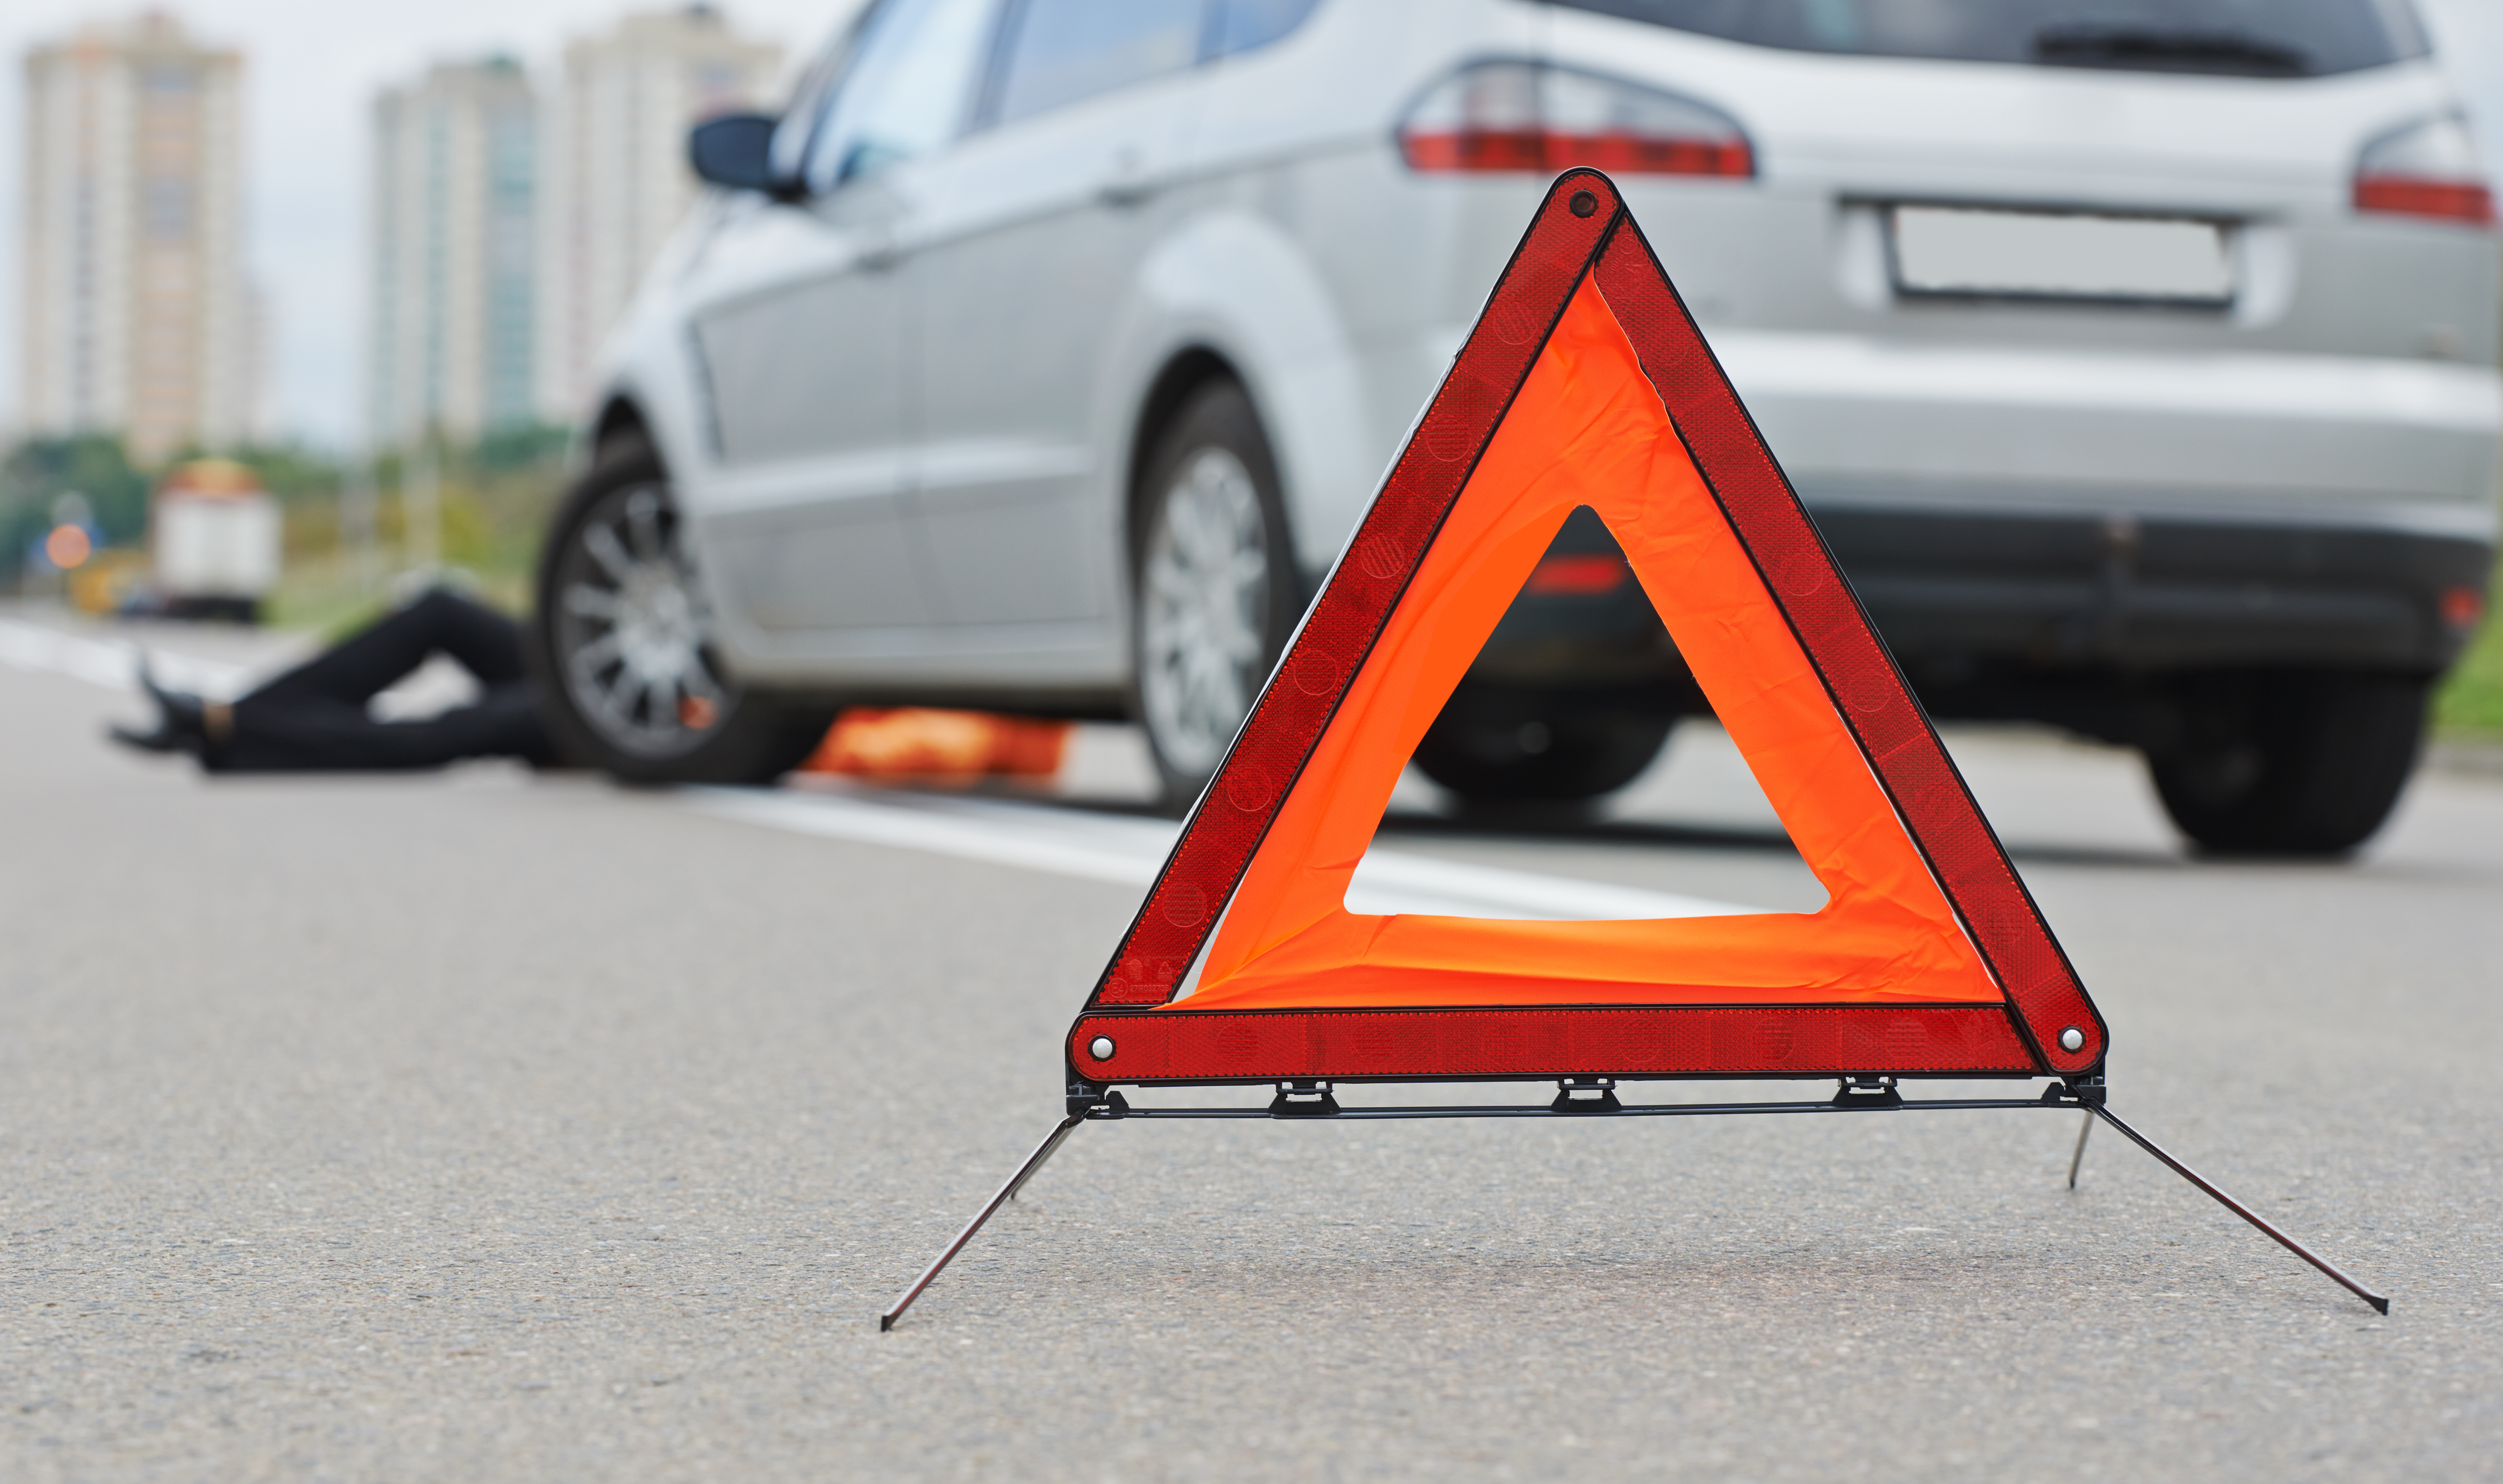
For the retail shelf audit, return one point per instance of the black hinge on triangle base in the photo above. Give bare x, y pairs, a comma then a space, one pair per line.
1089, 1099
1586, 1094
1303, 1099
1867, 1093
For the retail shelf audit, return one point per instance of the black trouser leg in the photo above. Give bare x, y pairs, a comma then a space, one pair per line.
314, 717
319, 736
480, 640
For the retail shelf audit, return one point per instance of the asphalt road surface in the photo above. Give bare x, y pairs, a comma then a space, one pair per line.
486, 1126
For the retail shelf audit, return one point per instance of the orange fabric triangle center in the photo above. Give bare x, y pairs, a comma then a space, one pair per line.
1588, 429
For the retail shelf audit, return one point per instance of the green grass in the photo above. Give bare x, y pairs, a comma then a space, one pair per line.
490, 536
322, 596
2470, 703
328, 595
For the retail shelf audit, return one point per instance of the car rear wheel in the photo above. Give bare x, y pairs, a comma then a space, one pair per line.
2291, 762
1215, 589
622, 643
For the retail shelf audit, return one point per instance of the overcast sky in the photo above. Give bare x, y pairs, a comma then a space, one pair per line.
313, 64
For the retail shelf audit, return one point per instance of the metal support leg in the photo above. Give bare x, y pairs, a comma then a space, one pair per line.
1049, 1146
2079, 1158
2380, 1303
1007, 1193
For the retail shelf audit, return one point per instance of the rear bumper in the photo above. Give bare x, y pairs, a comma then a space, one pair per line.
2078, 619
1957, 590
2144, 509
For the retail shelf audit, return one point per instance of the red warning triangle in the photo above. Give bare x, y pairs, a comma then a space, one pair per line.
1585, 383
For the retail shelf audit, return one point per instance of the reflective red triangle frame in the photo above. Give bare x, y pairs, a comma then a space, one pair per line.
1582, 229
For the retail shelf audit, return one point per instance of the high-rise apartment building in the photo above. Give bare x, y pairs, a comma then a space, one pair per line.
135, 318
617, 179
453, 293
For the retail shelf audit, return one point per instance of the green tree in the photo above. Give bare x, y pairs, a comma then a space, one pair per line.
41, 470
527, 446
298, 475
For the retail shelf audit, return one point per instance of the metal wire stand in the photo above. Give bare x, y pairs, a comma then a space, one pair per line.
1596, 1098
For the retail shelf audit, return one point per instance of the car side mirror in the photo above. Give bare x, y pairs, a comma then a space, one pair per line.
735, 150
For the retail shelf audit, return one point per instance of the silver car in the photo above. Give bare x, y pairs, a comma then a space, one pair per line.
2136, 356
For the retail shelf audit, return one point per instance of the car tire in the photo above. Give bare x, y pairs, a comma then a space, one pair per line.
1213, 586
1504, 755
2295, 763
629, 679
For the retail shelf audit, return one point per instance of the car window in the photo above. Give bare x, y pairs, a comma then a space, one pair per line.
2245, 38
790, 148
906, 90
1239, 25
1058, 51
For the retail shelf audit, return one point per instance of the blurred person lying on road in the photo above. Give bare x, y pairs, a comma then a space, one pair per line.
316, 718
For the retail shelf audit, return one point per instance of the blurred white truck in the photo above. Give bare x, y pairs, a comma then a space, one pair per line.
215, 541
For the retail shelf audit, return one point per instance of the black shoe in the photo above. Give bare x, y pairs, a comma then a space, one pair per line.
182, 722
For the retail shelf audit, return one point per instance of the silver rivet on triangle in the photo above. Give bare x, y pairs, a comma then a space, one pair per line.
2070, 1039
1101, 1048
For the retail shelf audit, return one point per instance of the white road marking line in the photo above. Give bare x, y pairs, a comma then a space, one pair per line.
916, 826
1128, 852
1471, 891
113, 663
1058, 841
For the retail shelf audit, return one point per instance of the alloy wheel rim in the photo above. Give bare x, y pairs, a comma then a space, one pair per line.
633, 631
1204, 595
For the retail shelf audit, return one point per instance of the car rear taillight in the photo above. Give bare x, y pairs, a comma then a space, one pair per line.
1581, 576
2427, 169
1530, 117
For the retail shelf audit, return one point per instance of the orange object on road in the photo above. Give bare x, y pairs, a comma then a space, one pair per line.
926, 745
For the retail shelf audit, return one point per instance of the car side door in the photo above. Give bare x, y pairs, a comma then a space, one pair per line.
805, 355
1027, 239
